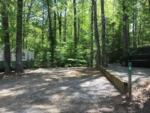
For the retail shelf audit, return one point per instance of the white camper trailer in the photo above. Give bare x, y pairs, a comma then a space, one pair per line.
26, 55
27, 58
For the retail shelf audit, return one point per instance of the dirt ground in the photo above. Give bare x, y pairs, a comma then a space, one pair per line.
61, 90
140, 84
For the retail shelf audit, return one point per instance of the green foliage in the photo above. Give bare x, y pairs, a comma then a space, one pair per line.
35, 31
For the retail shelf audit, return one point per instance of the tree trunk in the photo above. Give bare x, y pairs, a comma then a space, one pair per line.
6, 38
98, 56
91, 41
51, 32
139, 33
60, 26
54, 35
43, 19
75, 27
78, 31
125, 28
65, 25
42, 39
104, 61
19, 64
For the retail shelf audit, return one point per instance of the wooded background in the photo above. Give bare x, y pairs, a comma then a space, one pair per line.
73, 32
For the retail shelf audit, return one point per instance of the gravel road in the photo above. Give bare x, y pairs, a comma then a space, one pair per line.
60, 90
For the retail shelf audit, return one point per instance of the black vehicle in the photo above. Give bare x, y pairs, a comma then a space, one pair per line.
138, 57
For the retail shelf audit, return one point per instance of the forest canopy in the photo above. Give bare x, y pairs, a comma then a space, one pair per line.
73, 32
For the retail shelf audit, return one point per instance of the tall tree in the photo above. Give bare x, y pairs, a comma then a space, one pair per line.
65, 25
91, 41
60, 25
54, 35
43, 20
78, 29
19, 64
98, 56
125, 37
104, 61
75, 26
51, 31
6, 38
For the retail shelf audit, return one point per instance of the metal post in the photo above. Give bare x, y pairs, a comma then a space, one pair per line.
130, 80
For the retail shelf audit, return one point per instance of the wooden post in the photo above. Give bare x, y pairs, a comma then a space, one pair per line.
130, 80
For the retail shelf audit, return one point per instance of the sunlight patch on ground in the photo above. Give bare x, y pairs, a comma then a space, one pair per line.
106, 110
4, 110
9, 92
41, 84
42, 109
48, 79
73, 73
40, 70
64, 88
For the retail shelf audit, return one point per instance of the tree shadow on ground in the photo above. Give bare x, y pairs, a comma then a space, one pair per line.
56, 91
146, 108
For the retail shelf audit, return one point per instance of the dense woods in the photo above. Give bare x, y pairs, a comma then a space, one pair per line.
72, 32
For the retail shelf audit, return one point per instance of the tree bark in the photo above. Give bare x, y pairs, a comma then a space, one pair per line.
65, 25
6, 38
60, 26
51, 32
78, 29
91, 41
104, 61
75, 27
98, 56
139, 33
43, 19
125, 28
19, 64
54, 35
